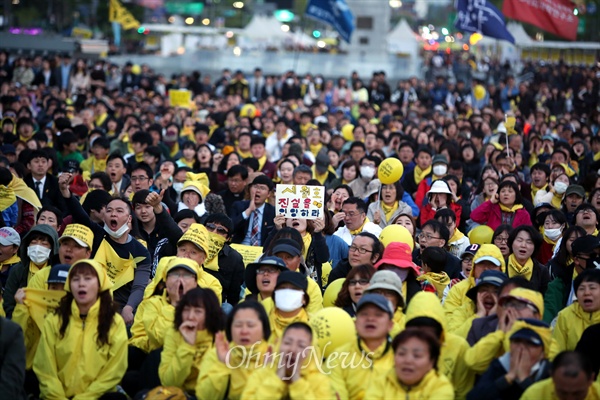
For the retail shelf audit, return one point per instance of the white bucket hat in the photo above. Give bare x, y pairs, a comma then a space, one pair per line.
439, 187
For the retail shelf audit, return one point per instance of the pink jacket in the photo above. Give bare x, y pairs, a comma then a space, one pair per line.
489, 214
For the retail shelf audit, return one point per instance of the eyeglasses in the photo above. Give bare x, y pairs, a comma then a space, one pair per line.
264, 271
360, 250
501, 239
139, 178
352, 214
181, 275
361, 282
427, 236
219, 229
519, 305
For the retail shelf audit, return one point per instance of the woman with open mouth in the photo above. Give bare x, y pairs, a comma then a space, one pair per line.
261, 278
577, 317
356, 283
525, 243
414, 374
505, 207
291, 372
239, 352
83, 351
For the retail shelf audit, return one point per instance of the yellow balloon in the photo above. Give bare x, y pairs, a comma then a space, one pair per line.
325, 271
396, 233
248, 110
475, 38
136, 69
479, 92
481, 234
331, 293
333, 328
390, 171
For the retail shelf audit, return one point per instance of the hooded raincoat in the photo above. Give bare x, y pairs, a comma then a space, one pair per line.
571, 323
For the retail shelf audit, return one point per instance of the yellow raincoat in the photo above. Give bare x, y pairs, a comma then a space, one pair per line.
219, 381
154, 317
571, 323
180, 361
432, 386
451, 362
545, 390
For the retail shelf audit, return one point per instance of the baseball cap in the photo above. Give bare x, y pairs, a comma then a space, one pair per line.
9, 237
489, 277
378, 301
585, 244
527, 296
294, 278
183, 263
8, 149
58, 273
439, 159
252, 268
196, 234
289, 246
533, 331
80, 234
575, 189
387, 280
471, 250
491, 253
527, 335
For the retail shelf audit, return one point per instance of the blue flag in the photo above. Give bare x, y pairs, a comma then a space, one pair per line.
335, 13
483, 17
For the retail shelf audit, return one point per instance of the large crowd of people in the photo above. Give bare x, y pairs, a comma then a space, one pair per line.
143, 253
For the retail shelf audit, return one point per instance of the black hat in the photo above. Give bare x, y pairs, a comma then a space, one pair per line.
471, 250
489, 277
295, 278
289, 246
585, 244
322, 161
263, 180
252, 268
377, 300
58, 273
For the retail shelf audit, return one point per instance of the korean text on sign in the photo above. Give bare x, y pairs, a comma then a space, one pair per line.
300, 201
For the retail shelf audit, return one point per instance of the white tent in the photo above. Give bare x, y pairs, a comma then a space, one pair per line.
402, 39
302, 39
264, 28
521, 37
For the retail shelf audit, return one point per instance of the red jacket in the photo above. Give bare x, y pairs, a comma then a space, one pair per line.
490, 214
427, 213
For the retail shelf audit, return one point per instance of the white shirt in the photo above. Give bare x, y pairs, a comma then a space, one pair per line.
42, 181
345, 234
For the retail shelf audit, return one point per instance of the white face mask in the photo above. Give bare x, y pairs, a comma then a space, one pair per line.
288, 299
560, 187
178, 187
553, 234
440, 170
366, 171
38, 254
118, 233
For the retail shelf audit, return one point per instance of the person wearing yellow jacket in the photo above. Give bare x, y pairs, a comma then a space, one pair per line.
520, 303
488, 257
83, 350
355, 364
292, 373
572, 378
414, 375
426, 314
198, 317
290, 300
577, 317
225, 369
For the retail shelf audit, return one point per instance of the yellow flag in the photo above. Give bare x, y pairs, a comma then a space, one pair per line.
119, 270
41, 302
249, 253
118, 13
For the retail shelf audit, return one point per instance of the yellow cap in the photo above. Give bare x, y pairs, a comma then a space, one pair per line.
79, 233
198, 235
103, 280
539, 327
180, 262
526, 296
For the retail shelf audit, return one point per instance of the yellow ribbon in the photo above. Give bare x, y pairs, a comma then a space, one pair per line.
516, 269
512, 209
389, 210
420, 174
360, 228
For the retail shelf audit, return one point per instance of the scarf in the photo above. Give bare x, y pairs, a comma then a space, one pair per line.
33, 269
512, 209
456, 236
597, 156
420, 174
556, 201
314, 148
173, 151
24, 192
98, 165
244, 154
535, 189
7, 197
13, 260
546, 239
389, 210
320, 177
215, 245
279, 323
186, 162
360, 228
516, 269
439, 281
261, 162
100, 119
307, 239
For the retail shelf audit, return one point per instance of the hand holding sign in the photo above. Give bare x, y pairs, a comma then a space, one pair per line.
300, 201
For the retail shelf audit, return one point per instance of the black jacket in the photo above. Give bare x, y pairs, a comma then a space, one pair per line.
481, 327
241, 225
453, 263
12, 360
229, 199
339, 271
230, 274
493, 385
52, 196
165, 227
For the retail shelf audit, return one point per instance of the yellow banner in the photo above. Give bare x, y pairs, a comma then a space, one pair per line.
119, 270
118, 13
249, 253
41, 302
180, 98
